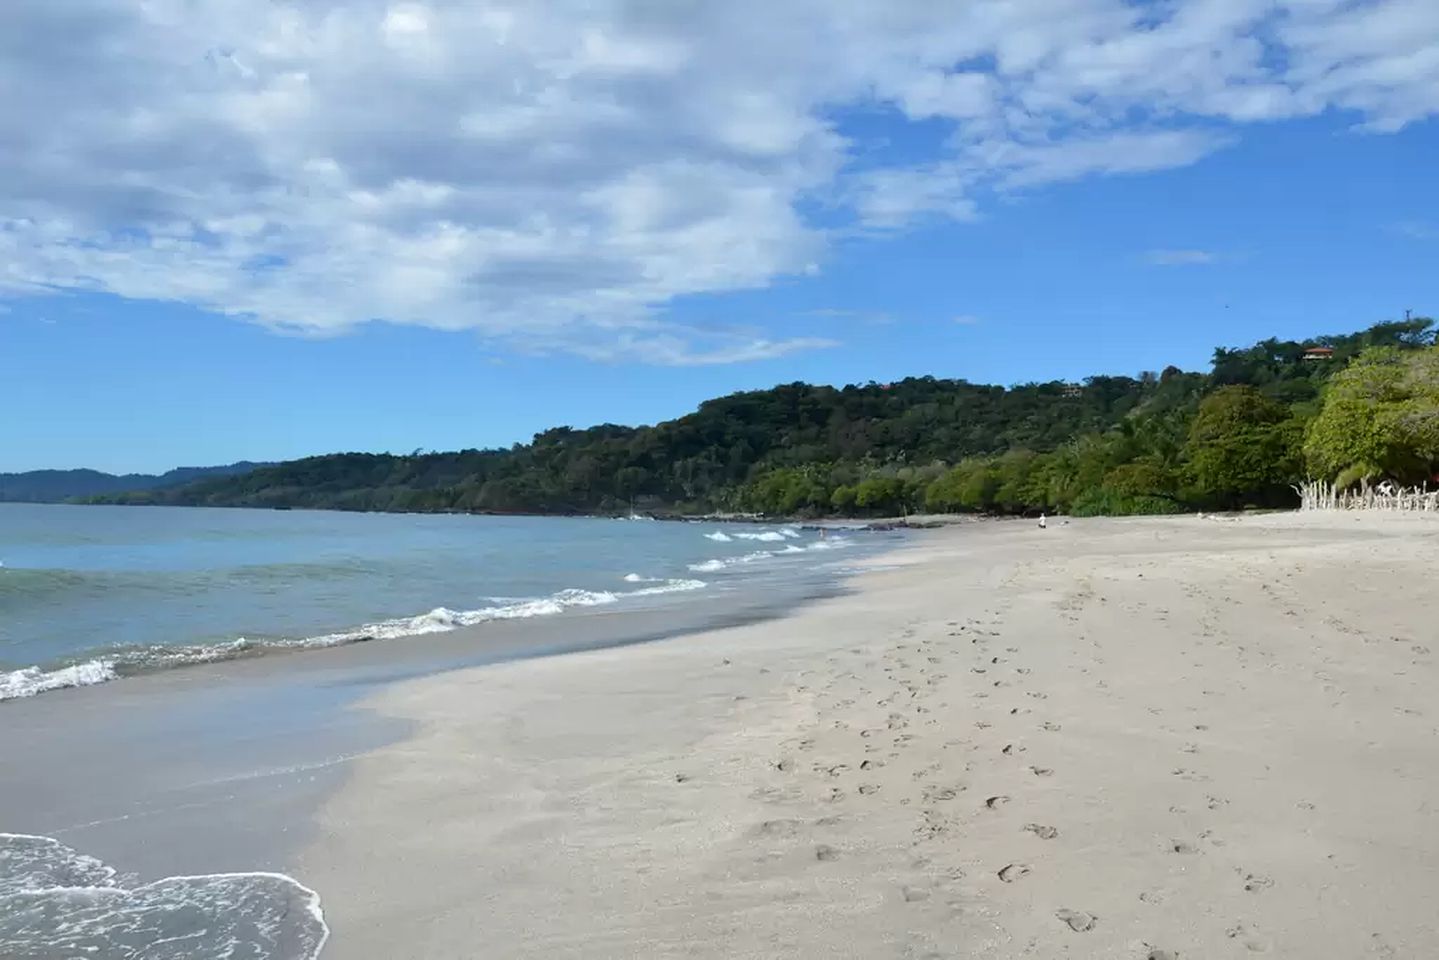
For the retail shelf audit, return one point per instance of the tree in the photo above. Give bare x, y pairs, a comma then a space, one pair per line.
1108, 445
1243, 448
1380, 419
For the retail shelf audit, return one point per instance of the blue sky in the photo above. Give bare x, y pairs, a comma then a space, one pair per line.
268, 240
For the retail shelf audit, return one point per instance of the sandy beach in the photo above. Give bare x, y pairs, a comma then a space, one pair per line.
1157, 738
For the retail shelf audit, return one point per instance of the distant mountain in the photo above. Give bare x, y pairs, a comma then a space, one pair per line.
55, 486
1156, 443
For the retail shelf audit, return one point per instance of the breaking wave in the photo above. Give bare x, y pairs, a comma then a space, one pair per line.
723, 563
55, 901
30, 681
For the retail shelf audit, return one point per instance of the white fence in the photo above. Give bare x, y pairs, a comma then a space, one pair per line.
1321, 495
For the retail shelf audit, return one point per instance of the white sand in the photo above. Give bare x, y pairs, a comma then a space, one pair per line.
1211, 738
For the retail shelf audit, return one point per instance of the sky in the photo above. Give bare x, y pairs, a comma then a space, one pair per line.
232, 230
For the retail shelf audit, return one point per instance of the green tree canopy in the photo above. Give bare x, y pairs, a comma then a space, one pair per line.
1380, 419
1110, 445
1243, 448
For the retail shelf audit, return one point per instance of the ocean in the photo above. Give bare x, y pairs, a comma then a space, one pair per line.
93, 595
90, 594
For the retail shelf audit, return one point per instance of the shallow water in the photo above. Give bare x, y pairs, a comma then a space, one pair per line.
88, 594
56, 902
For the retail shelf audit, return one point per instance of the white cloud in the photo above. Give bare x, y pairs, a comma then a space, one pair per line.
679, 347
1180, 258
557, 173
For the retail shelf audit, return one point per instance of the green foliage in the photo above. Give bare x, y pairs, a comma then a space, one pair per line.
1243, 448
1155, 443
1380, 419
1107, 502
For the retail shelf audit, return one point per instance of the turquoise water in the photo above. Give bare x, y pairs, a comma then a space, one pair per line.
89, 594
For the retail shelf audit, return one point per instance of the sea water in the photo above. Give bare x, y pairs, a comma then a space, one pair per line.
90, 594
57, 902
93, 594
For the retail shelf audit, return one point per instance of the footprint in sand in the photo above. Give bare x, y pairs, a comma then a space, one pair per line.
825, 853
1041, 831
994, 803
1042, 771
1182, 846
1050, 726
1077, 920
1254, 882
1252, 940
868, 789
1379, 947
1155, 953
913, 894
1014, 871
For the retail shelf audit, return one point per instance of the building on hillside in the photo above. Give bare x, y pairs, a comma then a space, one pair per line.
1319, 353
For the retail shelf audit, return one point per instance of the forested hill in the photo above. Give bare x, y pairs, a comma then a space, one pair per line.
55, 486
1239, 434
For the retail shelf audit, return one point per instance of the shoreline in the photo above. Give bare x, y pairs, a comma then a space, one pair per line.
633, 593
1152, 737
257, 742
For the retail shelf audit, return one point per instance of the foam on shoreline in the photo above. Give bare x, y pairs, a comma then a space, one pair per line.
34, 680
54, 899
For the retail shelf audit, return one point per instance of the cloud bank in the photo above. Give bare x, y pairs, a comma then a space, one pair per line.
554, 174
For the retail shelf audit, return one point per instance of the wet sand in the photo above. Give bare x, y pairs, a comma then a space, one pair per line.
221, 767
1160, 738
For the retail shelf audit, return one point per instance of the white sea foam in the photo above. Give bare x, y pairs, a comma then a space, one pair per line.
669, 586
719, 536
30, 681
766, 536
722, 563
57, 901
